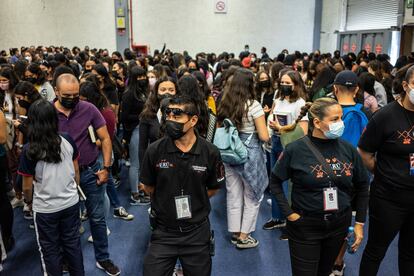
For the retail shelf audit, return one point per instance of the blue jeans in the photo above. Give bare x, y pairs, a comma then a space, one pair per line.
96, 210
110, 187
277, 149
134, 159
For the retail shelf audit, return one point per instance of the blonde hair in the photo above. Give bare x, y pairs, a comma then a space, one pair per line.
317, 109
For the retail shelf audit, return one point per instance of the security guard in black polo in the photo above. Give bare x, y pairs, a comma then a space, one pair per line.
181, 171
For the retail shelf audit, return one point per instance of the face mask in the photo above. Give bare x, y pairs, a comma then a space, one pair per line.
30, 79
299, 68
143, 84
164, 96
4, 86
335, 130
264, 84
411, 96
29, 59
174, 130
191, 70
286, 90
152, 82
115, 74
69, 103
24, 104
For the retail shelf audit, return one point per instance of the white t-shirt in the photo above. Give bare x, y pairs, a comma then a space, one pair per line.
290, 111
255, 110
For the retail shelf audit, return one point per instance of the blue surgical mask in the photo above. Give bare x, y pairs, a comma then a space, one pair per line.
335, 130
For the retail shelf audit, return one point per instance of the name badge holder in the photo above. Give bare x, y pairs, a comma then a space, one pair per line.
411, 164
183, 206
330, 198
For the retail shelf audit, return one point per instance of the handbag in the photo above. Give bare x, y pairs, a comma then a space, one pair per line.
232, 150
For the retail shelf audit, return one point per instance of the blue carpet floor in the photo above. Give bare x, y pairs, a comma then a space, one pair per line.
129, 240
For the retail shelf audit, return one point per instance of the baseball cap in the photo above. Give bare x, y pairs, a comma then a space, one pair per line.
346, 78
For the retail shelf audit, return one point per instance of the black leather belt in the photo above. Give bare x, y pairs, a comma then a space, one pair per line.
181, 229
85, 167
324, 216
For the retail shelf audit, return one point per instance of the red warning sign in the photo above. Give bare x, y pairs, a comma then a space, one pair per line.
378, 48
345, 47
353, 47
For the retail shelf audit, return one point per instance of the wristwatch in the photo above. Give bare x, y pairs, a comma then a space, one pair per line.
108, 168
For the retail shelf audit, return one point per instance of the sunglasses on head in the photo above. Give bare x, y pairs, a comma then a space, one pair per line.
177, 111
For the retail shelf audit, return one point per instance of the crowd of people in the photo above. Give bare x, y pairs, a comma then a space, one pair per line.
330, 136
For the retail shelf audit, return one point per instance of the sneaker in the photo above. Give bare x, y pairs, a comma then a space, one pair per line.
178, 270
108, 232
140, 199
122, 214
65, 268
27, 214
17, 202
273, 224
234, 239
338, 270
249, 242
283, 236
109, 267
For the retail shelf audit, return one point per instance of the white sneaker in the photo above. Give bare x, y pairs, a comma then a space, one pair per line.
17, 202
108, 232
249, 242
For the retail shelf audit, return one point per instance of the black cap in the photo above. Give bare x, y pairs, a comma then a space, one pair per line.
346, 78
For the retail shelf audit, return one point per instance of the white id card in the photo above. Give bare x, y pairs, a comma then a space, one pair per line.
330, 199
183, 207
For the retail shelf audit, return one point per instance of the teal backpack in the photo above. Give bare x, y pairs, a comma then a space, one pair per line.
232, 150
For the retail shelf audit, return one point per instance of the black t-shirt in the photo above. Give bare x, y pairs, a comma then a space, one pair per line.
170, 171
299, 164
390, 134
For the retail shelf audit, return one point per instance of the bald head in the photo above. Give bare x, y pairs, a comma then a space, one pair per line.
66, 79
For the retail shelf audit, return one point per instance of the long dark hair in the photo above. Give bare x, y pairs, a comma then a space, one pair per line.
91, 92
108, 83
42, 134
189, 88
201, 79
27, 89
153, 104
323, 79
133, 86
34, 68
237, 93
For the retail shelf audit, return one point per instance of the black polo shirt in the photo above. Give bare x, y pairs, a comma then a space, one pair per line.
173, 173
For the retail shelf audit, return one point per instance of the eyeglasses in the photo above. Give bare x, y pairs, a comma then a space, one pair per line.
177, 111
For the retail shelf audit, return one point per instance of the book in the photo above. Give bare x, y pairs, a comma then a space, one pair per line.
284, 118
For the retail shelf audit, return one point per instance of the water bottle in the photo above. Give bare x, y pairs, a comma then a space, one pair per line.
350, 239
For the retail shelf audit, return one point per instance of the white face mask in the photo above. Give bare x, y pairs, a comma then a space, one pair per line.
411, 95
152, 82
29, 59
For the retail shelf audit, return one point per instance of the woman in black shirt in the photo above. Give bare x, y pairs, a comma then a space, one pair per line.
387, 149
317, 224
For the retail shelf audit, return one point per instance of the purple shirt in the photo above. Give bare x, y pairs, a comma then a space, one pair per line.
76, 125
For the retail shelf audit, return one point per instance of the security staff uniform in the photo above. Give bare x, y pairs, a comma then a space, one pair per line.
180, 205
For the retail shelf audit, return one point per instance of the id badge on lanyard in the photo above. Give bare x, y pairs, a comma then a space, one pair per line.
183, 207
330, 199
412, 164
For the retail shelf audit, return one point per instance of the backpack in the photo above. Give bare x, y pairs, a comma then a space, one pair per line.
355, 122
232, 150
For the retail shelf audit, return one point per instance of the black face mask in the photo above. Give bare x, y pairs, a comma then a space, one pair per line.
143, 84
30, 79
24, 104
69, 103
286, 90
299, 68
264, 84
191, 70
174, 130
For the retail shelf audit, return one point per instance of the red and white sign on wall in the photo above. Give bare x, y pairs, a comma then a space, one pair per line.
220, 6
378, 49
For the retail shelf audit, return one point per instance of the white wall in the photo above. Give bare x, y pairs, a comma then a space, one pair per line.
192, 25
332, 20
57, 22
